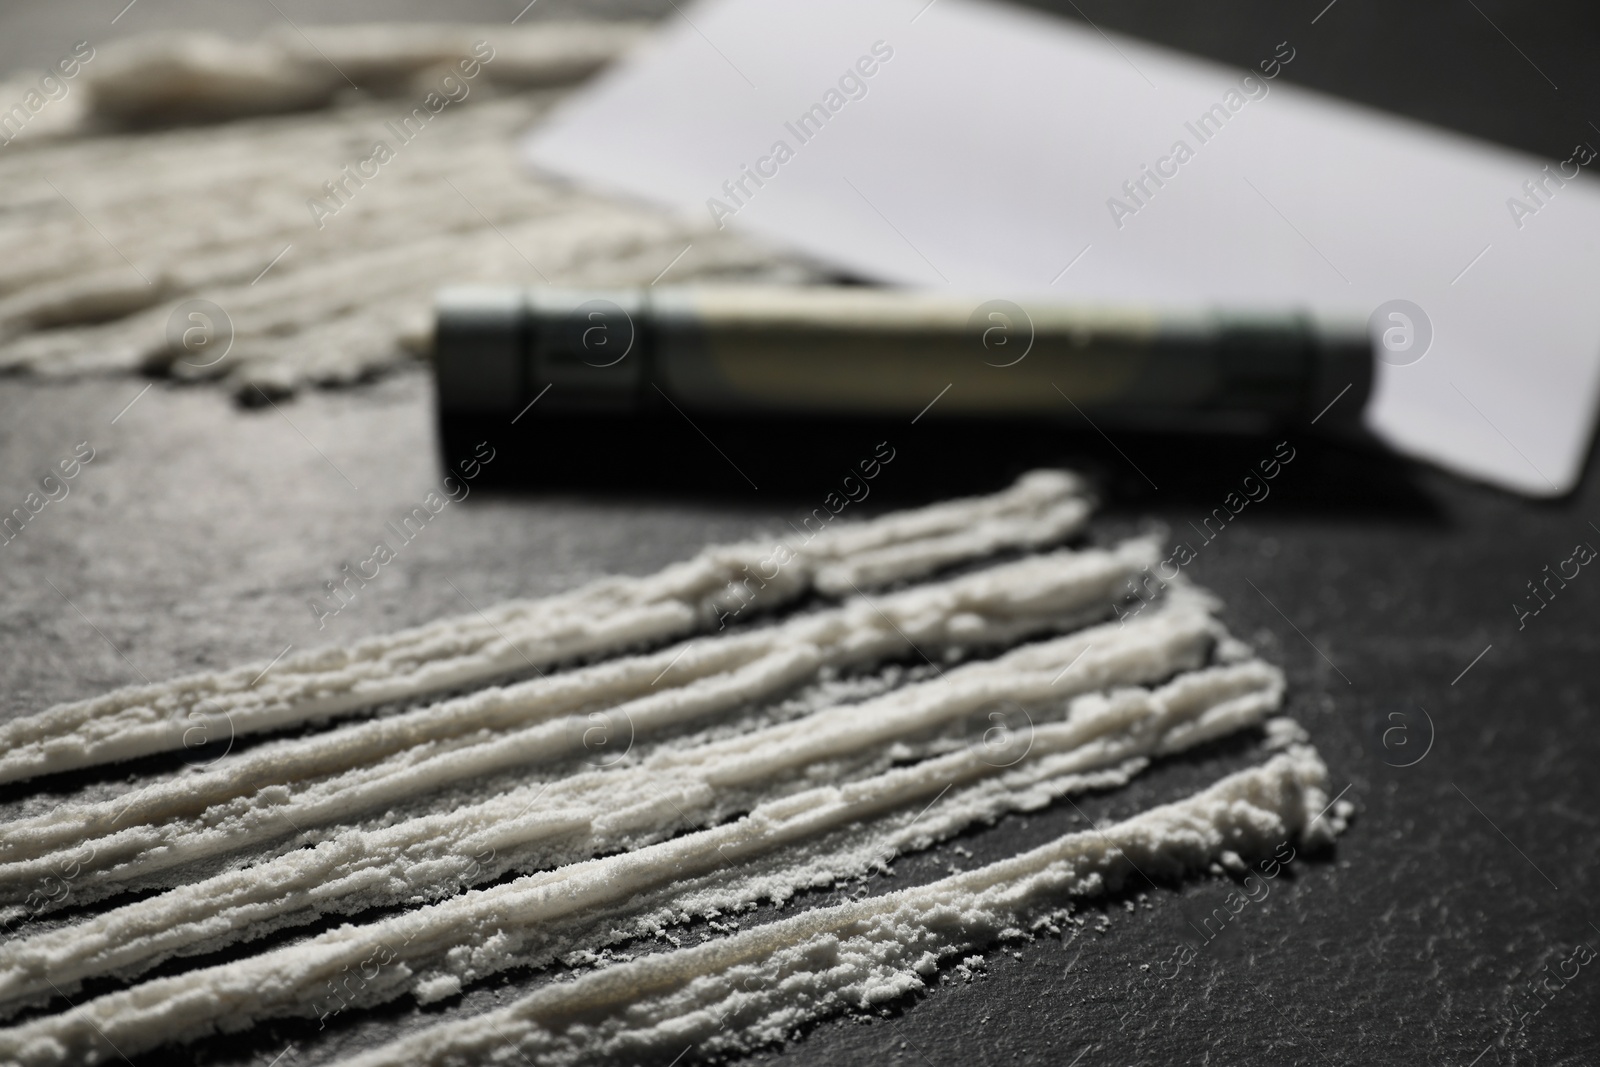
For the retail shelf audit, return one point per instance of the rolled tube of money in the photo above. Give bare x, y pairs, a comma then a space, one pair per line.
856, 351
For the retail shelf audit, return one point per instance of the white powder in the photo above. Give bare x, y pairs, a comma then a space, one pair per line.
1099, 733
352, 296
608, 616
264, 795
165, 76
596, 812
834, 779
758, 986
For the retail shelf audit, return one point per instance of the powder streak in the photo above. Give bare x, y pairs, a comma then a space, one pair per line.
605, 617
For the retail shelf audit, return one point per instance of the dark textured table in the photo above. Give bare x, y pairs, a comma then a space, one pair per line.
199, 532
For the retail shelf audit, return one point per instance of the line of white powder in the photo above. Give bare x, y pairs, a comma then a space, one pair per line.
165, 77
315, 300
614, 614
157, 173
1104, 743
678, 992
621, 807
1099, 732
601, 811
183, 166
339, 775
162, 77
772, 979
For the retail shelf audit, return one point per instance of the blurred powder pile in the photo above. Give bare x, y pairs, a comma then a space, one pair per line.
315, 188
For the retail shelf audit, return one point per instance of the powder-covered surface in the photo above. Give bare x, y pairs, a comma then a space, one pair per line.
100, 232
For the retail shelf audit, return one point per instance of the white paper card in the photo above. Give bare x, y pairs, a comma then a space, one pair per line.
988, 150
